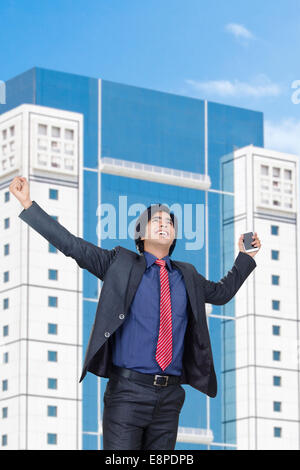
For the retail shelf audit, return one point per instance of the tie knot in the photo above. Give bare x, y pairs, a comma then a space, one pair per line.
161, 262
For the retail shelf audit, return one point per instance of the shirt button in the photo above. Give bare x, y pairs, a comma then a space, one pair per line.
121, 316
107, 334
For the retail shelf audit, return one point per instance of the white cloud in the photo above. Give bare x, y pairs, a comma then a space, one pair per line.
258, 88
283, 136
239, 31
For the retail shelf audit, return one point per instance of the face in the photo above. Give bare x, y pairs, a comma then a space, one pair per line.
160, 229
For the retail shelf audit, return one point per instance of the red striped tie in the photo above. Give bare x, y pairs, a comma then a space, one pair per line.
164, 345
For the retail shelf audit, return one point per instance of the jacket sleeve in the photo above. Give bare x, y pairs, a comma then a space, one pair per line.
219, 293
88, 256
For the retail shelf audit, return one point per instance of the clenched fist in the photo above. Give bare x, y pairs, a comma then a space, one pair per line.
19, 187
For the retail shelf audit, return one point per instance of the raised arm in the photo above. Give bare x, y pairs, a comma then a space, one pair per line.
219, 293
87, 255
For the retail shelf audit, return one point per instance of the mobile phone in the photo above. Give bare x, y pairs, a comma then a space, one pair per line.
247, 242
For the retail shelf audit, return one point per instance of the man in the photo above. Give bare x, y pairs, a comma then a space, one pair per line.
150, 332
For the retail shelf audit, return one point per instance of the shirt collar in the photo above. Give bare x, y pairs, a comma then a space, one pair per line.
150, 259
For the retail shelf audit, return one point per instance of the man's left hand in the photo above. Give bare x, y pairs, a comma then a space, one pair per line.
256, 243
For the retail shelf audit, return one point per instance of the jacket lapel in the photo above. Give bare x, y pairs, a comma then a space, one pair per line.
138, 269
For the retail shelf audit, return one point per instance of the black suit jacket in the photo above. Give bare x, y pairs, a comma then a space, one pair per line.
121, 271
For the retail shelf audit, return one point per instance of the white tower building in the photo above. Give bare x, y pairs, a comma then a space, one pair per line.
40, 289
267, 392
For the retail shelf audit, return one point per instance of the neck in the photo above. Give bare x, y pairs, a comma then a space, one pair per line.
158, 251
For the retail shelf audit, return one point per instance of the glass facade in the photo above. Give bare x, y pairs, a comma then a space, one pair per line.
167, 130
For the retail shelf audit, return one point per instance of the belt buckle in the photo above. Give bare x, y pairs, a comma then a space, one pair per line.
161, 385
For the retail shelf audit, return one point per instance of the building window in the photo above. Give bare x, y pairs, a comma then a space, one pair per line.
4, 412
42, 129
288, 203
52, 411
42, 144
264, 170
5, 330
276, 330
58, 142
6, 249
277, 432
5, 303
275, 280
4, 385
69, 134
288, 188
69, 149
274, 230
276, 405
265, 184
52, 329
4, 439
12, 131
6, 276
52, 301
275, 188
276, 355
55, 131
6, 196
52, 356
53, 193
265, 199
55, 146
276, 381
52, 383
52, 249
275, 304
51, 438
287, 174
5, 358
52, 274
6, 222
275, 254
42, 157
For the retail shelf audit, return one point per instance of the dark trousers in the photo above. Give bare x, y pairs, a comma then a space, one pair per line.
139, 416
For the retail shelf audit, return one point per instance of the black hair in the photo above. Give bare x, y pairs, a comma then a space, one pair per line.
141, 223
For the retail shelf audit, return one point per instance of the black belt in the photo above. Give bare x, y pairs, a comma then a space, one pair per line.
162, 380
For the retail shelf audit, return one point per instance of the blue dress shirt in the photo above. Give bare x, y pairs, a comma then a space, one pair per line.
134, 343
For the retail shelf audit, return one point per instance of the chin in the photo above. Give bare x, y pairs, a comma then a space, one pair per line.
164, 243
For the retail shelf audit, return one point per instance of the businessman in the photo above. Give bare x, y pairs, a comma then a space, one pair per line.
150, 332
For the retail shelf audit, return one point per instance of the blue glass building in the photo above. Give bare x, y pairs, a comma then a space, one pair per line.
165, 130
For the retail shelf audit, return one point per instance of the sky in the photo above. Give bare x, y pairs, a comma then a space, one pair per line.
240, 53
